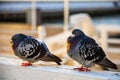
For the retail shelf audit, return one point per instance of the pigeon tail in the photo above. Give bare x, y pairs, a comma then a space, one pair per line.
55, 58
107, 63
52, 58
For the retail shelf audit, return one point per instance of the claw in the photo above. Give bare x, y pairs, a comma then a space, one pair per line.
82, 69
25, 64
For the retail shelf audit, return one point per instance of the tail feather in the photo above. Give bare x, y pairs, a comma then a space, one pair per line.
52, 58
107, 63
55, 58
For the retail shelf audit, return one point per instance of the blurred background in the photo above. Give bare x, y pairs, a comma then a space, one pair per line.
53, 20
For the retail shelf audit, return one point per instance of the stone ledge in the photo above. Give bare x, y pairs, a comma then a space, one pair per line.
10, 70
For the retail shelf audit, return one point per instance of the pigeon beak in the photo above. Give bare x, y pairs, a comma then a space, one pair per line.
11, 42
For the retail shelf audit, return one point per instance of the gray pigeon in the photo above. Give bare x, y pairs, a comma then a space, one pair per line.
86, 51
32, 50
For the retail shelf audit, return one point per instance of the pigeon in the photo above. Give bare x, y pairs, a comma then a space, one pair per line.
32, 50
87, 52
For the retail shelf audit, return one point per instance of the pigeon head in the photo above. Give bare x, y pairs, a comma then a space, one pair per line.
71, 41
17, 38
78, 32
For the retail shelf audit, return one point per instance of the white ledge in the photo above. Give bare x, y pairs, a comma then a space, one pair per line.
10, 70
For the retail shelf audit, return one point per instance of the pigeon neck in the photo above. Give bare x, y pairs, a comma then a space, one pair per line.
72, 43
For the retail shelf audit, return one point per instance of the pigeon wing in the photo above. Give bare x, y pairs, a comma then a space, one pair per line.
30, 48
89, 50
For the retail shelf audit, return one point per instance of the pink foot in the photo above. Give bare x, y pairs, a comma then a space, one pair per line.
25, 64
82, 69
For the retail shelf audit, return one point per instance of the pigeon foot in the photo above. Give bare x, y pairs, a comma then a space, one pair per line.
82, 69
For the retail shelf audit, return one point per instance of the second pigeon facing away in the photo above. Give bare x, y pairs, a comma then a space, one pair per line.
32, 50
87, 52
